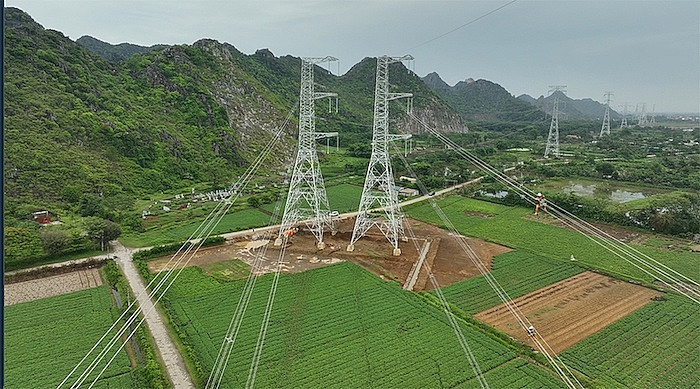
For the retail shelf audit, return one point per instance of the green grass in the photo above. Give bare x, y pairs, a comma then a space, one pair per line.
656, 346
518, 272
510, 226
344, 197
337, 327
233, 221
227, 270
46, 338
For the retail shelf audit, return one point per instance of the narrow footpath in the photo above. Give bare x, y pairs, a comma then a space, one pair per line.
172, 360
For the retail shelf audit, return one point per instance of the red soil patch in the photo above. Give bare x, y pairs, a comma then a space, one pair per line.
446, 259
572, 309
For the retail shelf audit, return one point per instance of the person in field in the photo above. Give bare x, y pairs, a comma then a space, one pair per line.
540, 203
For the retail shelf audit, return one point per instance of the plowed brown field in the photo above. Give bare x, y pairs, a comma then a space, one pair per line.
23, 291
572, 309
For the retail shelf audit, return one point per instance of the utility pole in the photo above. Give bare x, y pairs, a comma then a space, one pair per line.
605, 129
307, 200
379, 194
553, 137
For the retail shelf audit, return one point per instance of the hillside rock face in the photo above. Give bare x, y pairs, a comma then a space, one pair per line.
481, 100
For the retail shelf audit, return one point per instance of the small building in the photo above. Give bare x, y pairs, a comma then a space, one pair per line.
408, 192
44, 217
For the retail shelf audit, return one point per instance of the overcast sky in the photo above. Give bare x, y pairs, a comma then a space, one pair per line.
643, 51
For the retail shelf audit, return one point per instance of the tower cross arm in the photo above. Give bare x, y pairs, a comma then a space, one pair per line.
321, 135
393, 137
394, 96
316, 60
320, 95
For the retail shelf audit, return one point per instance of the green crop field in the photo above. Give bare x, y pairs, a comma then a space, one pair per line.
655, 347
46, 338
510, 226
338, 327
518, 272
232, 221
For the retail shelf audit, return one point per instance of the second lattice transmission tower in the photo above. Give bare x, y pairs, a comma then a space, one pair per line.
605, 129
379, 204
307, 200
553, 137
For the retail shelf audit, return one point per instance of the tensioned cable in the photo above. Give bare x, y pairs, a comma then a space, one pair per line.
473, 362
657, 270
229, 341
266, 316
193, 243
559, 366
462, 26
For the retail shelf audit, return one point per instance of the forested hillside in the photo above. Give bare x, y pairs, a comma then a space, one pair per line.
482, 100
86, 136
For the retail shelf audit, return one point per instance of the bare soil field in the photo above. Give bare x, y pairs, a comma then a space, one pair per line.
373, 251
572, 309
35, 289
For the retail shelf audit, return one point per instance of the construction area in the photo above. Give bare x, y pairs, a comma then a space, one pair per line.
444, 257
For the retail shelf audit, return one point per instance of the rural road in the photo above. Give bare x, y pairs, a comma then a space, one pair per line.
174, 364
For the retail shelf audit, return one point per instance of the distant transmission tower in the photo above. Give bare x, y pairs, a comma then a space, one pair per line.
623, 123
379, 204
553, 137
642, 114
307, 200
605, 129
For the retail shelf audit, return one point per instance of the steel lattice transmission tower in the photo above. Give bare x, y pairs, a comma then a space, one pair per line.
307, 200
642, 119
379, 194
553, 137
605, 129
623, 122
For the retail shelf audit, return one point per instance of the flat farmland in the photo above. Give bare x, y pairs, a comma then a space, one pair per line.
572, 309
23, 291
656, 346
338, 326
46, 338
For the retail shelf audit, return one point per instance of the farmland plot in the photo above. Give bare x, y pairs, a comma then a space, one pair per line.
23, 291
572, 309
336, 327
514, 227
45, 339
518, 272
654, 347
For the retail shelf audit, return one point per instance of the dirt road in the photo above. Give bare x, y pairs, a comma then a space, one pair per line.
174, 364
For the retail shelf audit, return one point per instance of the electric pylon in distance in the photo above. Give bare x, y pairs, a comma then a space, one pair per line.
307, 200
553, 137
379, 205
605, 129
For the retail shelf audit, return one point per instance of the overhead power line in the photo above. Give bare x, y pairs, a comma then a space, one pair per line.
462, 26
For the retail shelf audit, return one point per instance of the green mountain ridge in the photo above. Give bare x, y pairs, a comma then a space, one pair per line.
482, 100
572, 109
114, 53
